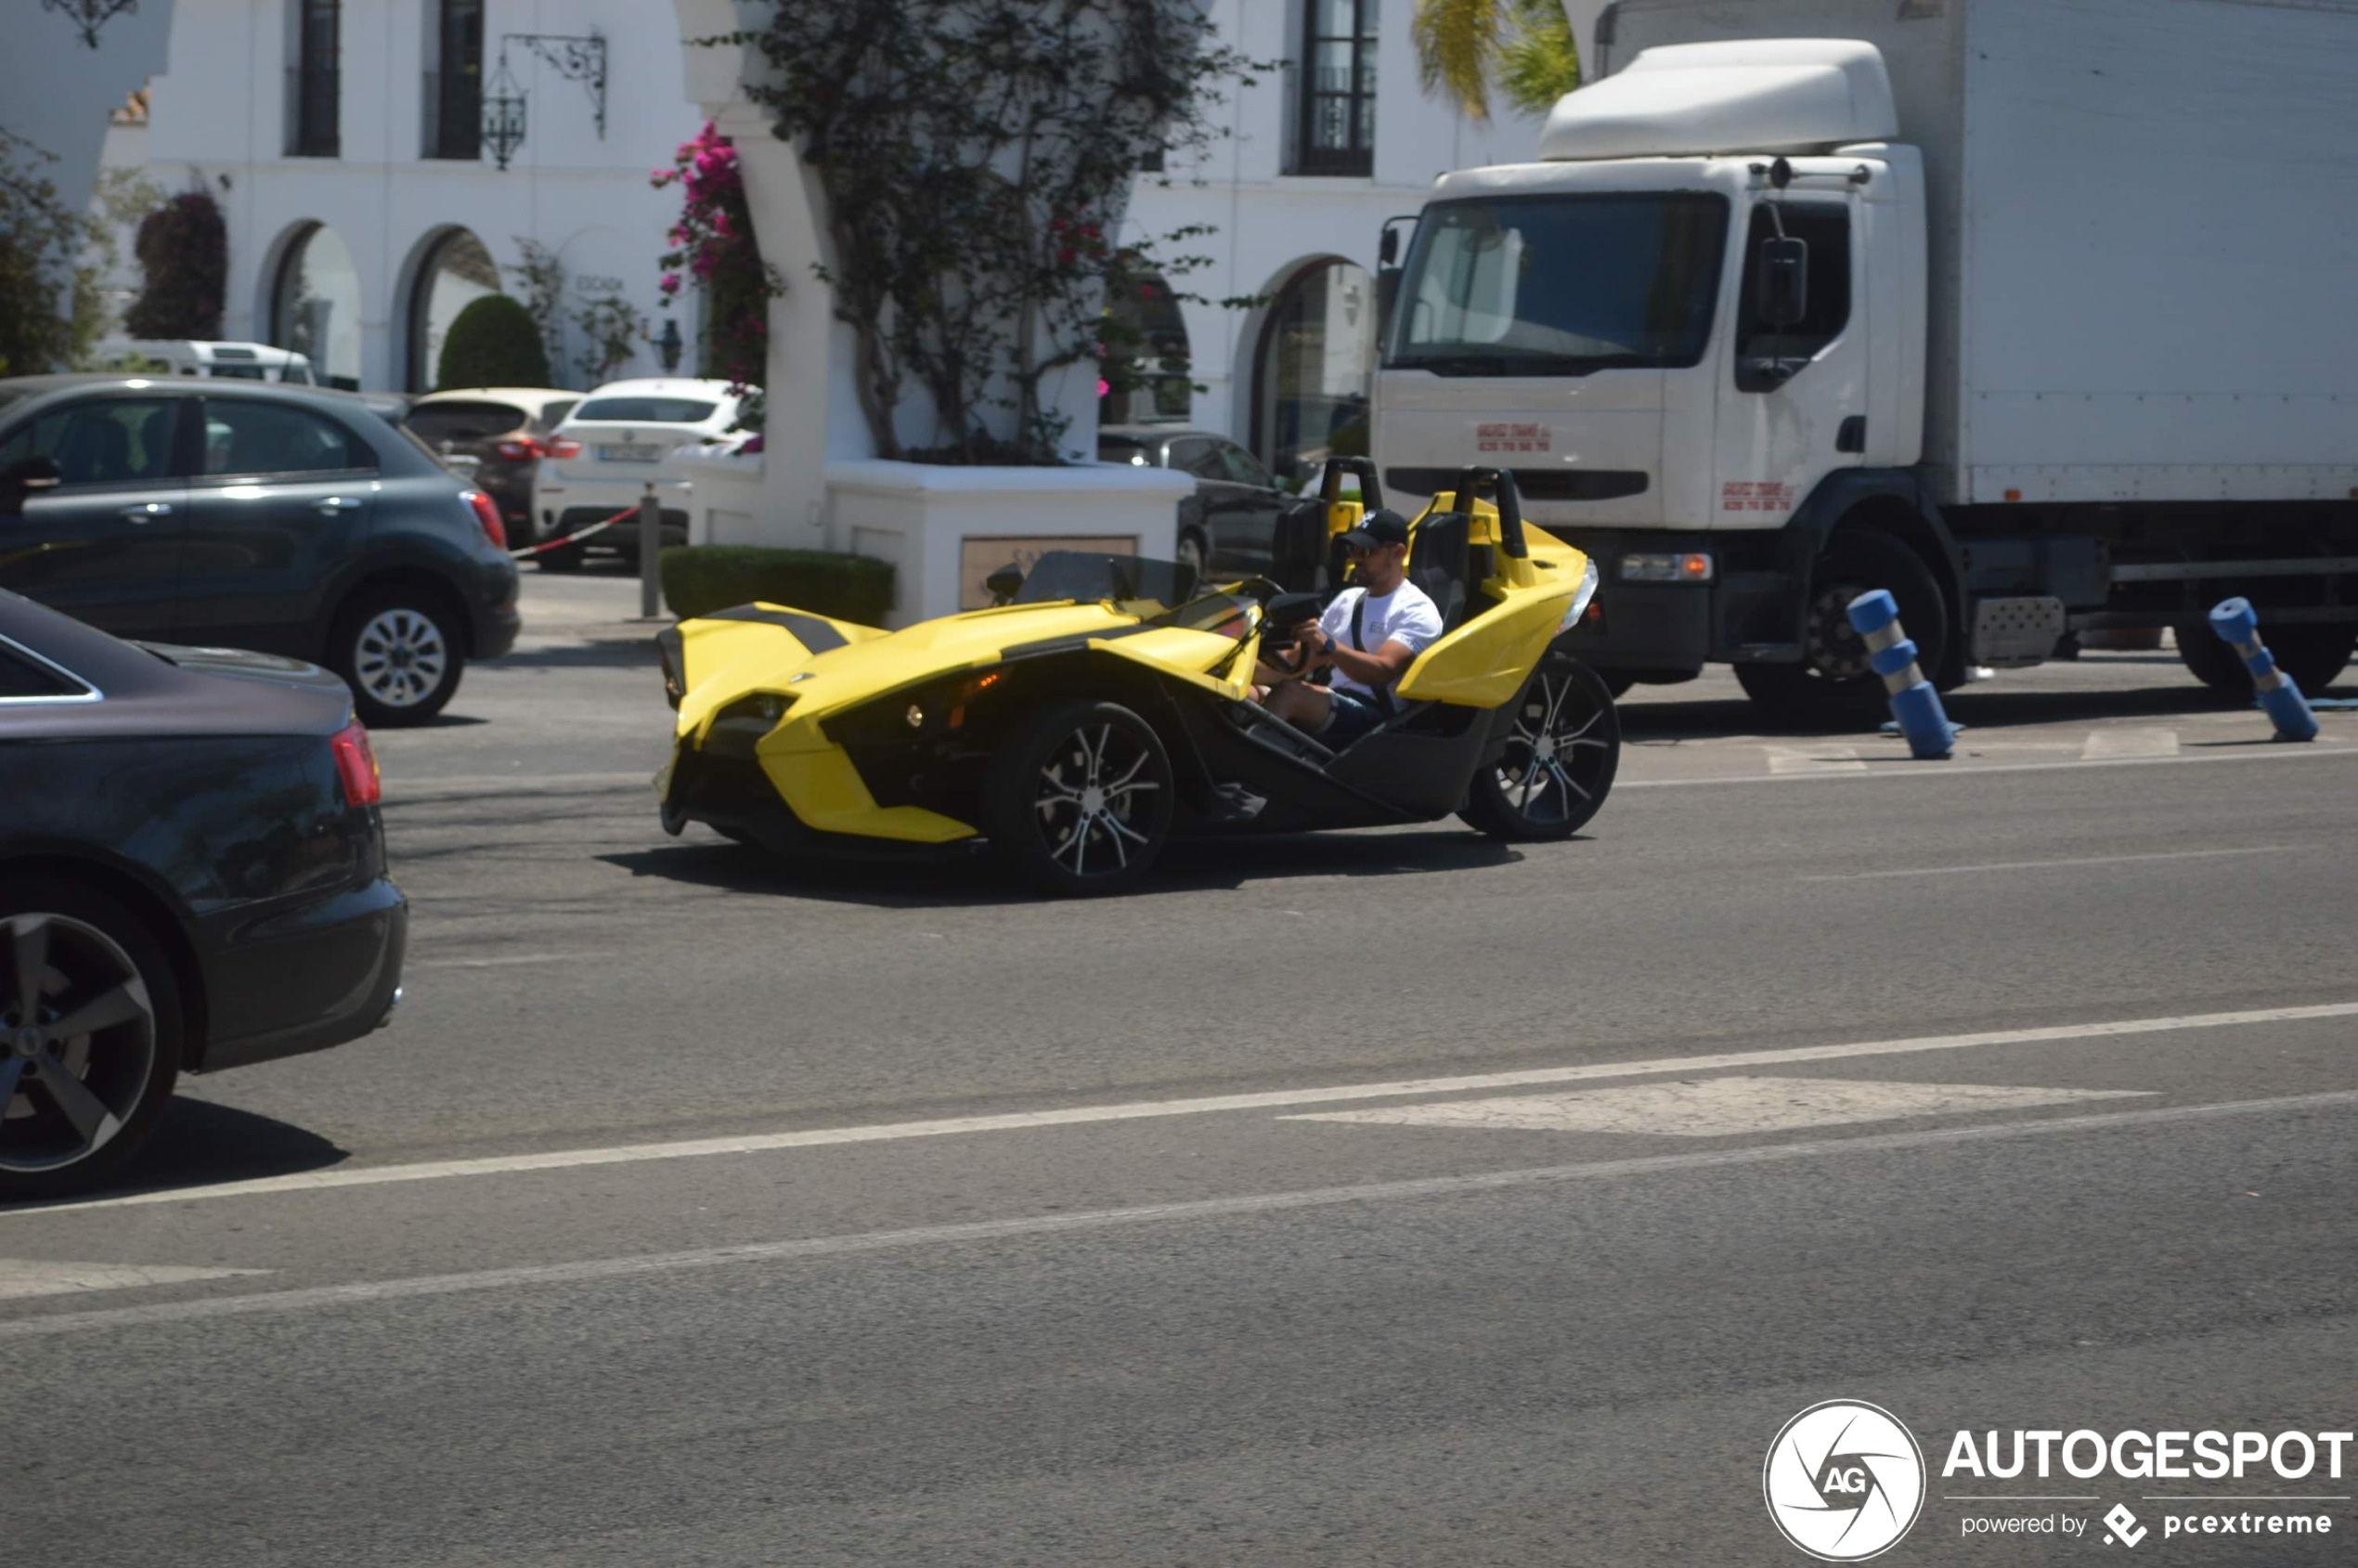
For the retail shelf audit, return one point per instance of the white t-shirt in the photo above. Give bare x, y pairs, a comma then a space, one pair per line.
1406, 615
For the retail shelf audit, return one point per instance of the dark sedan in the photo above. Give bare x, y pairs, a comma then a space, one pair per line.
240, 514
192, 878
1229, 524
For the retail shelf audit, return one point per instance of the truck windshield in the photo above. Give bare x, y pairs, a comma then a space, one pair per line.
1555, 285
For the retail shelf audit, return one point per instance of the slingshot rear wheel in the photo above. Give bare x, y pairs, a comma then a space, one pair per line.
1560, 762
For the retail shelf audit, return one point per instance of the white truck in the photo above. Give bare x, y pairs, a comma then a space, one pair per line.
2041, 314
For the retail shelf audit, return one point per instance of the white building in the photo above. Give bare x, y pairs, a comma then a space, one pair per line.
347, 143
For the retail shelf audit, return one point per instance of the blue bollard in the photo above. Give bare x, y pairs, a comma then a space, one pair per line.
2238, 625
1914, 705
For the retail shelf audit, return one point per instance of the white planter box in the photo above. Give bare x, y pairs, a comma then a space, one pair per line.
724, 496
943, 528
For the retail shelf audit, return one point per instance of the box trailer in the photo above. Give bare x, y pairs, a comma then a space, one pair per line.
2041, 314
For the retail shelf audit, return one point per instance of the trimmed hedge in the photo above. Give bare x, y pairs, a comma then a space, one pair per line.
699, 579
493, 341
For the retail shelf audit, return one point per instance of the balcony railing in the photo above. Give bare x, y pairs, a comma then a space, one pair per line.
313, 102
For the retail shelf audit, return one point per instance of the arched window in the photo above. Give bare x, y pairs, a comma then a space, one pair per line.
1151, 384
1311, 365
315, 306
456, 271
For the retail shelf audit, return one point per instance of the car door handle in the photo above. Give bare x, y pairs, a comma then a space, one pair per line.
330, 505
146, 512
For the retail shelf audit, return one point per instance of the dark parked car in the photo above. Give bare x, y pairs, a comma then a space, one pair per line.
507, 430
239, 514
1229, 524
192, 878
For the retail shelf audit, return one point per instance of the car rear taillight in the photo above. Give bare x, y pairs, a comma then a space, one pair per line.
357, 765
520, 451
487, 514
562, 447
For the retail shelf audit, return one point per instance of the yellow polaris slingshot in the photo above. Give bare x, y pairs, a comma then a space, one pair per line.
1104, 706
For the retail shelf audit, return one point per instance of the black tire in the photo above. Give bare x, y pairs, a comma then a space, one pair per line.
1195, 551
1560, 763
1078, 799
1618, 682
2314, 655
75, 1106
572, 558
1834, 684
401, 650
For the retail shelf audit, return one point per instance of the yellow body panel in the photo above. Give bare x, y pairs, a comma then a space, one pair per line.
825, 791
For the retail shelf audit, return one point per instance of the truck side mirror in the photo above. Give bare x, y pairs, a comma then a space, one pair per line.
1388, 247
1783, 283
1387, 295
25, 478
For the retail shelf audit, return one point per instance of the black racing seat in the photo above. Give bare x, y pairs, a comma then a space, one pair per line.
1439, 557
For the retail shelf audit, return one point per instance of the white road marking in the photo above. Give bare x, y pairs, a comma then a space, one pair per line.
2042, 865
40, 1276
2130, 743
1785, 760
1718, 1107
1073, 1116
365, 1292
500, 963
2324, 745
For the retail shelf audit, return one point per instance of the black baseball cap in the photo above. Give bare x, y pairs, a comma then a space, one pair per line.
1377, 529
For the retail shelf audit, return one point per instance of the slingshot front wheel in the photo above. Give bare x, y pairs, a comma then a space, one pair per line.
1560, 762
1078, 799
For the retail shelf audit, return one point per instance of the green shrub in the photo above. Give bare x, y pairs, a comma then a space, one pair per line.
699, 579
494, 342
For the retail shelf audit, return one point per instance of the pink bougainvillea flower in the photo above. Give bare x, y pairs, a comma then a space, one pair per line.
670, 284
1104, 388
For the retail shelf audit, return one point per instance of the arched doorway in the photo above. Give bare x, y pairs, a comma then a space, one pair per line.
315, 305
1311, 365
1153, 383
454, 271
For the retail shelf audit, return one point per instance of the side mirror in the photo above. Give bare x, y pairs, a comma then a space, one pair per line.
1004, 583
23, 479
1783, 283
1387, 247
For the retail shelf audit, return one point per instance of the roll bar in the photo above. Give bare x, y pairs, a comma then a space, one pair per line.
1501, 484
1370, 487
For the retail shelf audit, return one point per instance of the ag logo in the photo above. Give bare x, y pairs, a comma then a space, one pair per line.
1843, 1481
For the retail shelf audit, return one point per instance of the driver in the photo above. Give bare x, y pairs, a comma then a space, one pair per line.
1368, 637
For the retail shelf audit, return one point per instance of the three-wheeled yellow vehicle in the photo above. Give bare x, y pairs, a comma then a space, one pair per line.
1105, 707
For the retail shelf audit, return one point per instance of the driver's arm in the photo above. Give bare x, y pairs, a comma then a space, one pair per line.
1380, 669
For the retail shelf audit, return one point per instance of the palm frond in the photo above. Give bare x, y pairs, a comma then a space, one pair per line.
1541, 62
1457, 43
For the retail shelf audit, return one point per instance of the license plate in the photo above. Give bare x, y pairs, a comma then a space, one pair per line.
631, 451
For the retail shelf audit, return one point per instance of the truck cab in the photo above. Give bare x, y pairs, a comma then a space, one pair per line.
1705, 302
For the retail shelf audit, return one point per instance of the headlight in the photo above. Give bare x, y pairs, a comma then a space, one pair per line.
1580, 600
1695, 566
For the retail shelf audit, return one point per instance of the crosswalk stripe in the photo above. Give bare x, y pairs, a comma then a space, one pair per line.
20, 1278
1816, 760
2103, 744
1717, 1107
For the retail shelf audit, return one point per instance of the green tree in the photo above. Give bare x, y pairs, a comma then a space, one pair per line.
39, 284
493, 341
1522, 49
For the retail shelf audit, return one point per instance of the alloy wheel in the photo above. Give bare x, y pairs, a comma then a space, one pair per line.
1556, 762
400, 658
77, 1041
1091, 796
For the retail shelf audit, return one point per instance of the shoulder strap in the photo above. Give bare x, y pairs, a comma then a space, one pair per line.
1358, 613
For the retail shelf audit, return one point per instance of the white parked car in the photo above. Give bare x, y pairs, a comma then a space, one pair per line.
614, 442
189, 357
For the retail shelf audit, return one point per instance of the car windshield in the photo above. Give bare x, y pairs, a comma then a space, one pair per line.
1555, 285
465, 421
1084, 576
1126, 449
646, 411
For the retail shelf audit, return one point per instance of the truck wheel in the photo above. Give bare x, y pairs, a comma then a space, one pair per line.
1834, 684
1558, 764
1078, 799
2313, 656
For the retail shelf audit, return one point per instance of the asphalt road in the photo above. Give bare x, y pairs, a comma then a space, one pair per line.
1373, 1198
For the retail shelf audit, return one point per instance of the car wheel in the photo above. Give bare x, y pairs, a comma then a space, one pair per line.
90, 1037
1078, 799
2314, 655
1618, 682
1834, 684
1193, 552
572, 558
1560, 762
401, 653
